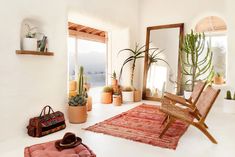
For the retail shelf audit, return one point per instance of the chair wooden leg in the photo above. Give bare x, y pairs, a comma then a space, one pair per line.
166, 127
198, 118
165, 119
204, 130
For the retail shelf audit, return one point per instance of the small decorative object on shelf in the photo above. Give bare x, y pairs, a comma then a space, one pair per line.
42, 44
30, 40
114, 79
229, 102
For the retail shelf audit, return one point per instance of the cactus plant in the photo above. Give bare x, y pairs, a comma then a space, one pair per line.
228, 95
80, 98
193, 61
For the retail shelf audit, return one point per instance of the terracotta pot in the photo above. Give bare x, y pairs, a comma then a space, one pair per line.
106, 98
114, 82
77, 114
89, 103
128, 96
72, 93
218, 80
137, 95
72, 85
117, 100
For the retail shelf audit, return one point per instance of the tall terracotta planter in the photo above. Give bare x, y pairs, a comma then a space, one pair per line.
106, 98
137, 95
117, 100
77, 114
89, 103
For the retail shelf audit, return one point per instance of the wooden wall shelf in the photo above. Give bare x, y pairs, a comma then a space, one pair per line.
23, 52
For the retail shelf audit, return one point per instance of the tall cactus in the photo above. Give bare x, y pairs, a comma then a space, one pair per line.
195, 64
80, 81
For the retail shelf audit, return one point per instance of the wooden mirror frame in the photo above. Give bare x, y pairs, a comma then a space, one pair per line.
181, 35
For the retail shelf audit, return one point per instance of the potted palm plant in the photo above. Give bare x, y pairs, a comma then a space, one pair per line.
136, 54
30, 40
106, 96
128, 94
77, 109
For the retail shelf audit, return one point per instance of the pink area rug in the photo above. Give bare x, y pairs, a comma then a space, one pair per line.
142, 124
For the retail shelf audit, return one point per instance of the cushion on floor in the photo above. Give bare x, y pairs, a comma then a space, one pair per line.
49, 150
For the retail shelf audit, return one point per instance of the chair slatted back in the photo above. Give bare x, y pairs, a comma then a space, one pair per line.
197, 90
206, 100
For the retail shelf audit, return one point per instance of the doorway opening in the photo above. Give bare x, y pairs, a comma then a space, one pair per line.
87, 47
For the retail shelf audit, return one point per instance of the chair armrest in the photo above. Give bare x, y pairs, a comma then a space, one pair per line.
178, 99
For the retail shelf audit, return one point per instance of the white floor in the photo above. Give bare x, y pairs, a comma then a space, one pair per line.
193, 143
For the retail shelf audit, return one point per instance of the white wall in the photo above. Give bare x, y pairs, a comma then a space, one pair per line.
27, 83
158, 12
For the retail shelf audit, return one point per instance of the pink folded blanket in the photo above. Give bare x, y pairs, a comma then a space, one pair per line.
49, 150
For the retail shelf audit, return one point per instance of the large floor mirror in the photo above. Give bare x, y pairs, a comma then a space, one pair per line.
161, 65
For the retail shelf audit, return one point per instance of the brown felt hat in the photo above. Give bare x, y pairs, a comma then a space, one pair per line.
69, 141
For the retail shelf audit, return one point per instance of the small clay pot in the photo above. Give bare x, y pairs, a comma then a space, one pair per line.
89, 103
117, 100
87, 86
218, 80
106, 98
137, 95
77, 114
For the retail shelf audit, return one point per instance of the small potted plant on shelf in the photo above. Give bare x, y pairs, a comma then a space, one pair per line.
77, 109
106, 96
229, 103
218, 79
30, 40
89, 101
128, 94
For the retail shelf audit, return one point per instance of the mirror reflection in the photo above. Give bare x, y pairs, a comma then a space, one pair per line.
162, 67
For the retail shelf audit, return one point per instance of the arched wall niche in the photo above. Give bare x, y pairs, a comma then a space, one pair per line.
215, 29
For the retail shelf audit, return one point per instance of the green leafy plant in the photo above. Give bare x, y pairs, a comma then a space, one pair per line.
30, 31
194, 63
228, 95
136, 53
153, 57
107, 89
80, 98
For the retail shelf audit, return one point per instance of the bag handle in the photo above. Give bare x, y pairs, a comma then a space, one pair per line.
43, 112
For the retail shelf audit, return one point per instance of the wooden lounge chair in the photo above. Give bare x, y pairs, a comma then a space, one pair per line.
194, 117
198, 88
